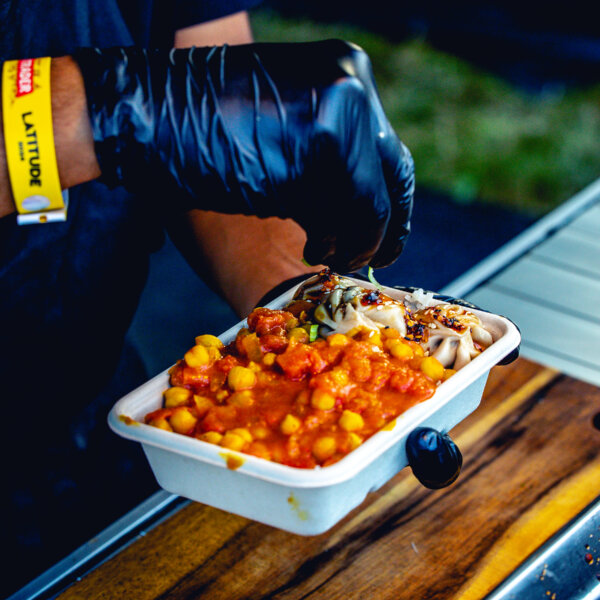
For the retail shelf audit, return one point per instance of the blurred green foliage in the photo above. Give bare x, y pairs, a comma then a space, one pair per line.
473, 136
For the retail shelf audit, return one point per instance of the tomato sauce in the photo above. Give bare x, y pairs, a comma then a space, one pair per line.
273, 394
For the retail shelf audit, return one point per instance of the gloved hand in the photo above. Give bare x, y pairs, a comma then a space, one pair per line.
287, 130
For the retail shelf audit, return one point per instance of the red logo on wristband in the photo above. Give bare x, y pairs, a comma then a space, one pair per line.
24, 77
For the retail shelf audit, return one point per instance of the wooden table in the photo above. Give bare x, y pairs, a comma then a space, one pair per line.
531, 463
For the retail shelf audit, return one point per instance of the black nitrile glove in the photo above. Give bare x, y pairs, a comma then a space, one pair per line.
287, 130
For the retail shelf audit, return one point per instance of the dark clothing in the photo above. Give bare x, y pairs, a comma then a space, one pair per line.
68, 293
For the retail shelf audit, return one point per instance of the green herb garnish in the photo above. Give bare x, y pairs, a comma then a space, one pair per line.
372, 279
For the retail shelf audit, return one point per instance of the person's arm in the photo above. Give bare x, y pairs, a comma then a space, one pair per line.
70, 119
72, 132
242, 257
232, 29
244, 129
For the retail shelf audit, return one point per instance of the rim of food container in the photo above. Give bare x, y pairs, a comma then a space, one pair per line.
349, 465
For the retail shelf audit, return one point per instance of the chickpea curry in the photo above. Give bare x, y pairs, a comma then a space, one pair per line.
282, 392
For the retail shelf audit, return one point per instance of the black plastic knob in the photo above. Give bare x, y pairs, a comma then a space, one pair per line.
433, 457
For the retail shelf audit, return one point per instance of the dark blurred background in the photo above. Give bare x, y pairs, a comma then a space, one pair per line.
532, 45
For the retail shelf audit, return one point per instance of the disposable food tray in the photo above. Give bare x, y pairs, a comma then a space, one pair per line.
301, 501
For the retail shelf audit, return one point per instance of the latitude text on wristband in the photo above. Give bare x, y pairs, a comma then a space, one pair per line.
29, 141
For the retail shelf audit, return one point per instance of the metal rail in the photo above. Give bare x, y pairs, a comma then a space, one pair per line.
523, 242
113, 539
565, 567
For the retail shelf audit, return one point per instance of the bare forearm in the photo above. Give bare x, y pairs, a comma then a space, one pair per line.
242, 257
72, 133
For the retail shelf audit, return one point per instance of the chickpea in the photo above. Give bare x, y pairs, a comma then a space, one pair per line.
212, 437
176, 396
242, 399
390, 333
210, 341
417, 349
399, 349
243, 433
354, 440
324, 448
351, 421
197, 356
202, 404
269, 359
232, 441
433, 368
161, 423
290, 424
260, 432
322, 400
214, 353
448, 373
337, 339
221, 395
340, 376
182, 420
375, 338
241, 378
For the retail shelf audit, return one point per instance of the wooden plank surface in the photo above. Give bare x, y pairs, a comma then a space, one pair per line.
531, 463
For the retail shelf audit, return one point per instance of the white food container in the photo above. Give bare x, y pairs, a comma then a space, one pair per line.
302, 501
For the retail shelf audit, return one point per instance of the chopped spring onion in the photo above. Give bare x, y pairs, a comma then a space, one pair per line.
305, 263
313, 334
372, 279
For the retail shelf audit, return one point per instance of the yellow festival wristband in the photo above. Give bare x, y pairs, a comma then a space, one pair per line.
29, 141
